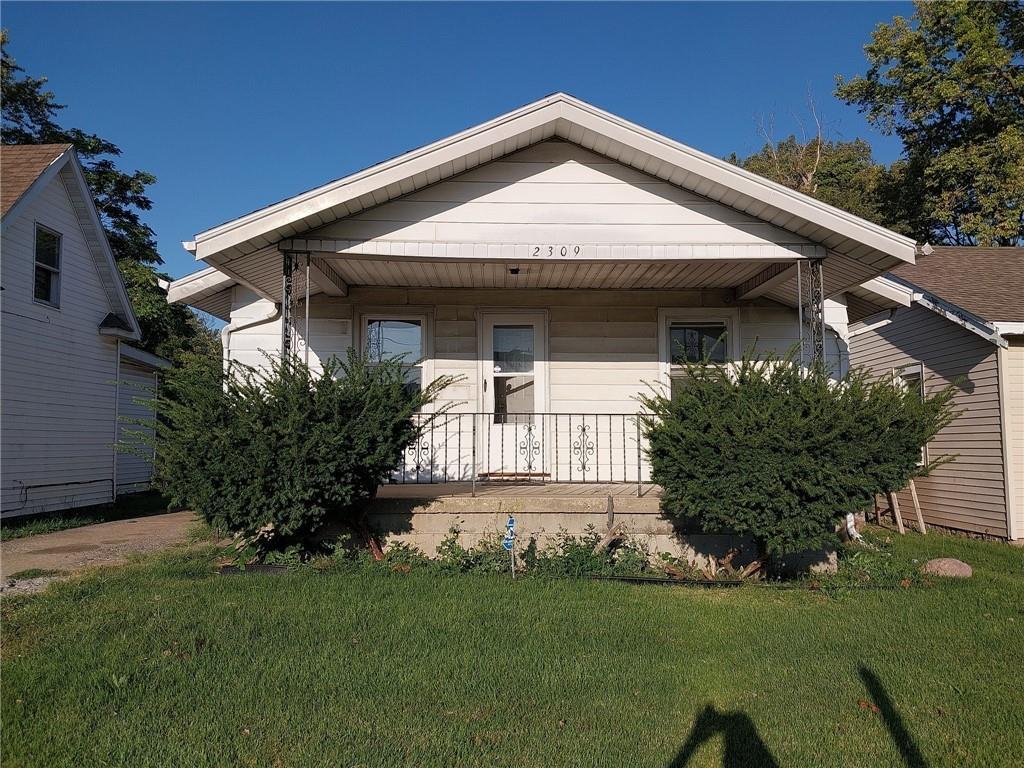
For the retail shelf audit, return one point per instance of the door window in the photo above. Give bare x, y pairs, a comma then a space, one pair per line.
513, 359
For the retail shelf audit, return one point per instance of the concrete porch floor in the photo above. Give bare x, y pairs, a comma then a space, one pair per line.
517, 490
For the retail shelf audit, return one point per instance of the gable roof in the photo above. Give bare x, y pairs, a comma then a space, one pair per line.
987, 282
565, 117
20, 166
26, 169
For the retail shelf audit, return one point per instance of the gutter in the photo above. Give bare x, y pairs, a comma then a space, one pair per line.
270, 315
871, 325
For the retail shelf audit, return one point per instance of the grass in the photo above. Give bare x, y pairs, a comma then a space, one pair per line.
33, 573
162, 662
131, 505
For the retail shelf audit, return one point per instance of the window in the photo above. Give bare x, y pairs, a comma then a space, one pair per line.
912, 379
691, 343
513, 358
47, 263
692, 335
388, 339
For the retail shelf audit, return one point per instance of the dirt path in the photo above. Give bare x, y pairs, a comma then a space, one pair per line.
89, 545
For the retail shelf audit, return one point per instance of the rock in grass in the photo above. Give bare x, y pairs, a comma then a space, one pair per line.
949, 567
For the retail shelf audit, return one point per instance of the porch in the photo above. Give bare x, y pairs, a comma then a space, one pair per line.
520, 490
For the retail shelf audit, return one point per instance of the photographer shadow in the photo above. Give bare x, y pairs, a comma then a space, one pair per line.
744, 747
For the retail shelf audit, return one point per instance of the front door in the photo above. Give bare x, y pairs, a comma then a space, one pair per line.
514, 358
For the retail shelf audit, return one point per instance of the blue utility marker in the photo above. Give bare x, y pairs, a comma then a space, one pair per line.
511, 525
508, 542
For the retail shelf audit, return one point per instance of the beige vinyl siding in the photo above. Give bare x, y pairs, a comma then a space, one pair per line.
554, 193
57, 370
1014, 357
134, 465
967, 493
602, 345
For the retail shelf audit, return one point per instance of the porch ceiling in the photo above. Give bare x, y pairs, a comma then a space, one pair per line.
623, 275
770, 276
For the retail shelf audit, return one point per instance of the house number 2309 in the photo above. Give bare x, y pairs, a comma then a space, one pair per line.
561, 251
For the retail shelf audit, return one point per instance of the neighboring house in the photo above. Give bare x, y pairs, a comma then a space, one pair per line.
65, 372
560, 260
960, 321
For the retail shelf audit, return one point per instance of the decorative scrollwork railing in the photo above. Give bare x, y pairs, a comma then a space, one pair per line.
537, 447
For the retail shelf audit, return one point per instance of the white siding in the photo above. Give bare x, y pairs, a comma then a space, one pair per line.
249, 345
135, 463
603, 345
558, 193
57, 370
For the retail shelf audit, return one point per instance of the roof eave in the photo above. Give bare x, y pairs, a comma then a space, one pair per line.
561, 112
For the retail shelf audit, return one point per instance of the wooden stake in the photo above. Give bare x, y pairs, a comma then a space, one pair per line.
894, 505
917, 507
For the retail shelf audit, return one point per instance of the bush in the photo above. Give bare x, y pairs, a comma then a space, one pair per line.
571, 556
780, 453
271, 454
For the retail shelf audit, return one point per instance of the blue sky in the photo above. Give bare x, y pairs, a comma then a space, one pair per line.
234, 106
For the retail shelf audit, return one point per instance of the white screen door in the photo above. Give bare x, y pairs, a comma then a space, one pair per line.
514, 382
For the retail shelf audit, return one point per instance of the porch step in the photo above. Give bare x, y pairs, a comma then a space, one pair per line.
554, 499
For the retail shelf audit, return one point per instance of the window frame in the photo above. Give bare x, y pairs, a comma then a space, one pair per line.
423, 317
901, 374
55, 271
667, 317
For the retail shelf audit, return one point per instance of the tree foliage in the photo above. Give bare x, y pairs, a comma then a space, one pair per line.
775, 452
271, 454
949, 82
29, 116
840, 173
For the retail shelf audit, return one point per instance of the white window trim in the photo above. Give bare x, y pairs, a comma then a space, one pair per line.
730, 318
542, 379
56, 272
426, 319
899, 374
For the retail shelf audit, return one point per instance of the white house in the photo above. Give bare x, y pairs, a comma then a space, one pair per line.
558, 258
65, 369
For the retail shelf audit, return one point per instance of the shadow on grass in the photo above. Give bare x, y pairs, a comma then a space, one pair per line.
900, 735
744, 747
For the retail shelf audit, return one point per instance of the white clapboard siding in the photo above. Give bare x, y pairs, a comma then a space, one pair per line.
967, 493
256, 336
559, 193
134, 458
603, 345
57, 370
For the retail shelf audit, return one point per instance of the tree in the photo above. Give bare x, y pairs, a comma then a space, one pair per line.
29, 113
949, 82
840, 173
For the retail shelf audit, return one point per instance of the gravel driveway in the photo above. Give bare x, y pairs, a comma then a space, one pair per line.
90, 545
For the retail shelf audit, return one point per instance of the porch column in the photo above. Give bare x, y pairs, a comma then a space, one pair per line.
811, 296
288, 262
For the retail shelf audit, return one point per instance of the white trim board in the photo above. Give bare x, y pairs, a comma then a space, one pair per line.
558, 116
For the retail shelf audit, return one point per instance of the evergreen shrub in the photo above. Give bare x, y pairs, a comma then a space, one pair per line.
768, 449
271, 454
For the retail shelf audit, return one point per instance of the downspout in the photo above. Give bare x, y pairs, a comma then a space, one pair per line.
225, 334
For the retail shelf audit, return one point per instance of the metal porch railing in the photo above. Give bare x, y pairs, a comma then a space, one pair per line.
537, 447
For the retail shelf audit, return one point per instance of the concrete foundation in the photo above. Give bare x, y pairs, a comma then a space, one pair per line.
424, 522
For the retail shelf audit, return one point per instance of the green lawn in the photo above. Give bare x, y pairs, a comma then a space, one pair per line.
163, 663
129, 505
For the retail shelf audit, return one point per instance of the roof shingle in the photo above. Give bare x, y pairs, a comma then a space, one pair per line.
22, 164
988, 282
